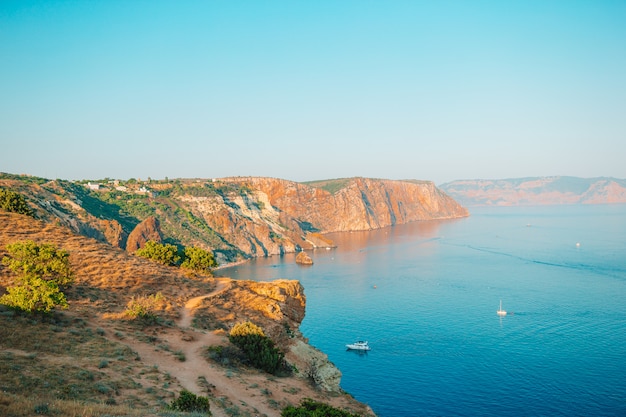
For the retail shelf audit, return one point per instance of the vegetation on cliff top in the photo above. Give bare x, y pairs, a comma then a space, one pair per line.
332, 186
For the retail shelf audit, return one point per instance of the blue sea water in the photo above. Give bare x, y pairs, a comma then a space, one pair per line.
425, 296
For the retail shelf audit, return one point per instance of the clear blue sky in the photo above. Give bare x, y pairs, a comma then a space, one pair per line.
303, 90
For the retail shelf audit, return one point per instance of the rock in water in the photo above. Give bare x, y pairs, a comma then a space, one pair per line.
304, 259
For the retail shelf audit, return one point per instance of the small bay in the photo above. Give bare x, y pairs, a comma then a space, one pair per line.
425, 296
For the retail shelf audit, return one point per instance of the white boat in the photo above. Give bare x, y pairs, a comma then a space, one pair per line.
360, 345
500, 311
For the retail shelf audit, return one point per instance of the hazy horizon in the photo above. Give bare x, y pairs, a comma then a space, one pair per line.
301, 91
148, 178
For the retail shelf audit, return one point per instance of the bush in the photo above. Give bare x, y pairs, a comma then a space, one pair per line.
145, 307
189, 402
166, 254
310, 408
258, 348
14, 202
198, 259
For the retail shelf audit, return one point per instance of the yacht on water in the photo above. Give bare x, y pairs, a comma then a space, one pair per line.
360, 345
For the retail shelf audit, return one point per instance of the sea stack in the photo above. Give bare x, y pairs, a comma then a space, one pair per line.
304, 259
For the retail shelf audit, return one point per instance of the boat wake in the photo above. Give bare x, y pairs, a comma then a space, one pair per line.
597, 269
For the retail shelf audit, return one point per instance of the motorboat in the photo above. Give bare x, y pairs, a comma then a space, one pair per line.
360, 345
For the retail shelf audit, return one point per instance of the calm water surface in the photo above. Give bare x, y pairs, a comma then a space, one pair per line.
425, 296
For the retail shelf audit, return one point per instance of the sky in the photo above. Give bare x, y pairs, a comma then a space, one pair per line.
308, 90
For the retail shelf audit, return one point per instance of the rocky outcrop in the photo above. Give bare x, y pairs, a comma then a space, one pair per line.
538, 191
304, 259
276, 306
113, 233
146, 230
279, 308
315, 365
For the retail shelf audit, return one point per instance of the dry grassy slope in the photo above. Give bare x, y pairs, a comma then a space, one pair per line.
89, 354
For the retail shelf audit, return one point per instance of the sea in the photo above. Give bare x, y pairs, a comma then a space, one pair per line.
425, 295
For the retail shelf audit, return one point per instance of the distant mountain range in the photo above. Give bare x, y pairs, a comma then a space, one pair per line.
537, 191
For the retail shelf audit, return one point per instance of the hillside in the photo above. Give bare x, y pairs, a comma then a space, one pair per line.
92, 359
537, 191
235, 218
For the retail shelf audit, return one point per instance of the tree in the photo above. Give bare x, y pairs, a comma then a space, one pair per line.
198, 259
166, 254
14, 202
43, 271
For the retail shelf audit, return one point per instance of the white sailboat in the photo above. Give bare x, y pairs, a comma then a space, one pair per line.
500, 311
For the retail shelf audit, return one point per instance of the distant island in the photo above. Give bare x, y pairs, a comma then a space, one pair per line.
537, 191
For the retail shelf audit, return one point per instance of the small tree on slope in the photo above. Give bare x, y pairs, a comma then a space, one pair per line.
43, 271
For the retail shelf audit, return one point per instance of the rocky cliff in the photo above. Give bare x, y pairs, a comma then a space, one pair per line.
236, 218
279, 306
275, 216
538, 191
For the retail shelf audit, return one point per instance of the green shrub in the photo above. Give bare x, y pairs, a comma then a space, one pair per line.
198, 259
189, 402
311, 408
166, 254
14, 202
258, 348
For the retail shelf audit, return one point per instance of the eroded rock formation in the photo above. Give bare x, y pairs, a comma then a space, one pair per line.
146, 230
304, 259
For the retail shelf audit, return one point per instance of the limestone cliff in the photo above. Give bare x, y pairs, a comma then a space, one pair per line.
273, 216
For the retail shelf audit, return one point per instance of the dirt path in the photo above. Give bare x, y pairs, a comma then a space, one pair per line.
188, 343
193, 303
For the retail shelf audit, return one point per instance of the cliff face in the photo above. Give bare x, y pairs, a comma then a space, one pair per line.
236, 218
363, 204
277, 216
538, 191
